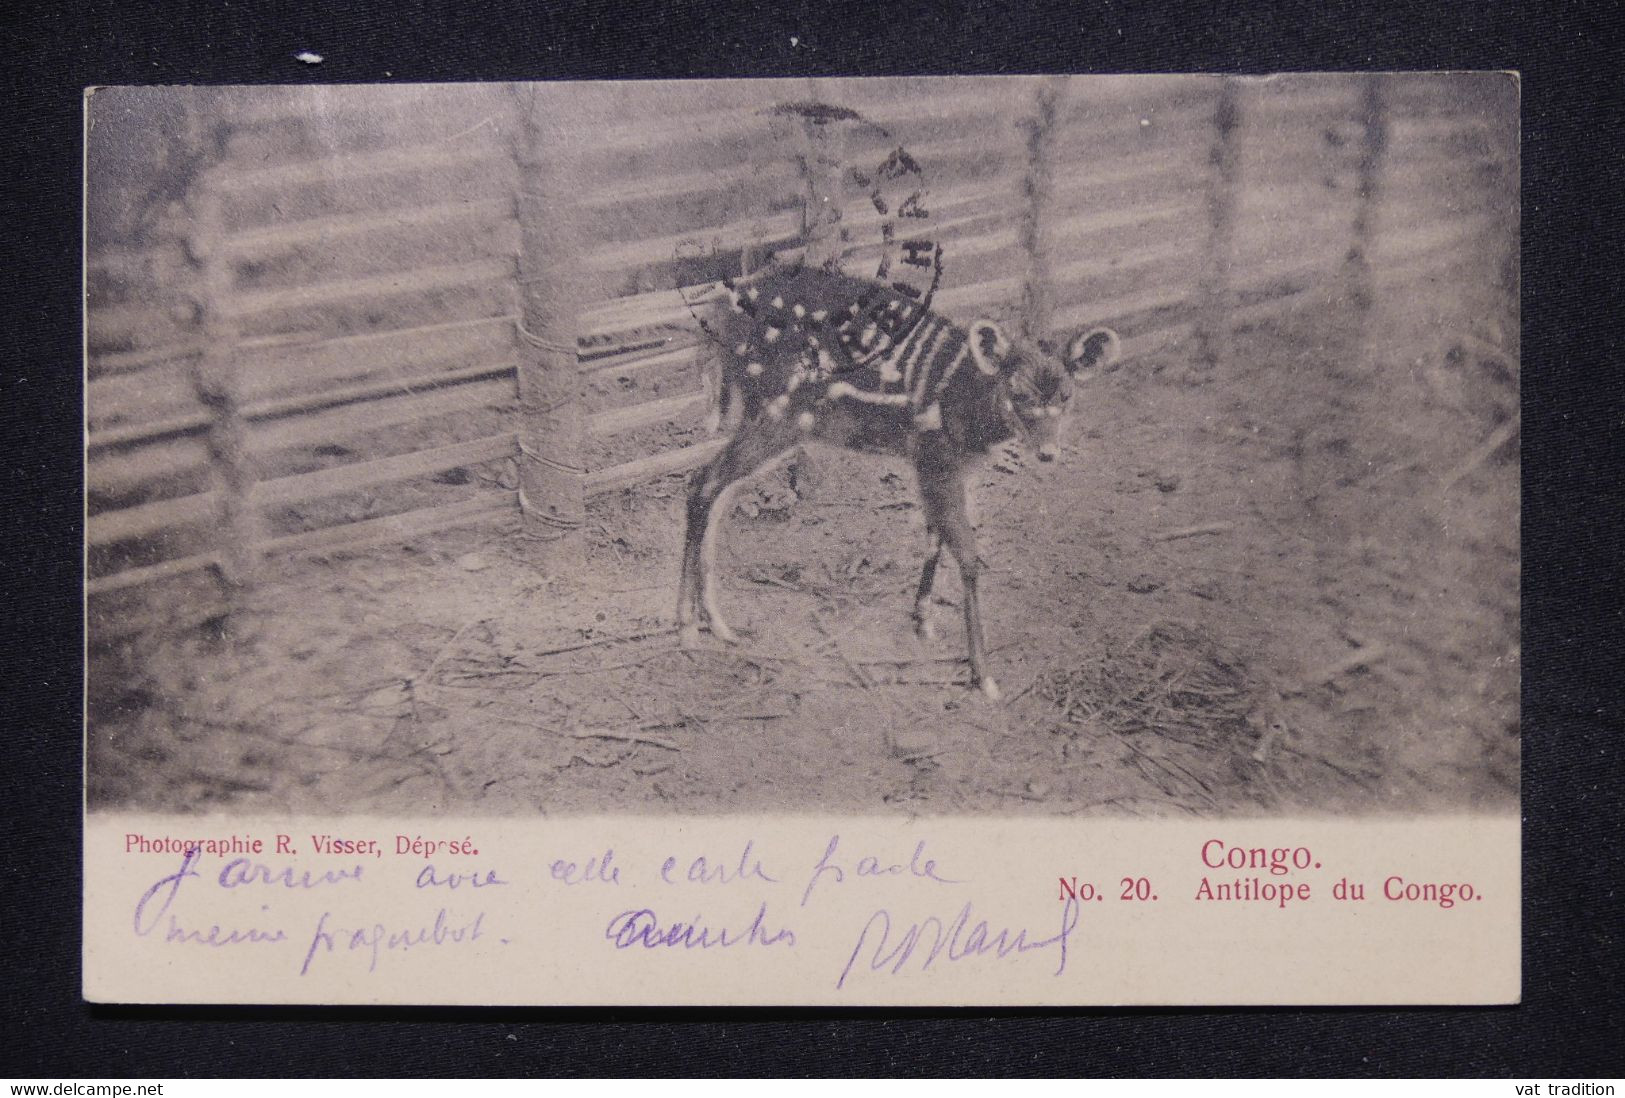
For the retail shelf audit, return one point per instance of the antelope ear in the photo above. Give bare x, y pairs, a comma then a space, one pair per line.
989, 346
1096, 347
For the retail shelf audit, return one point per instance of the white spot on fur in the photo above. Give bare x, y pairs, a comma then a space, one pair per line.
930, 419
771, 335
775, 410
777, 303
805, 421
742, 350
754, 369
753, 293
841, 389
800, 311
820, 315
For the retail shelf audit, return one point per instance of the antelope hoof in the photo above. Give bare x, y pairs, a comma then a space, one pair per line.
924, 629
990, 690
688, 636
720, 630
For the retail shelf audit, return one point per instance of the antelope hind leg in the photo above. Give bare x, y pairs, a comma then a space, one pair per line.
758, 446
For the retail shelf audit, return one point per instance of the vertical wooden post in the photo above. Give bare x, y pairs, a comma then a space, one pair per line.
1373, 147
823, 164
822, 153
552, 478
1037, 183
1223, 189
217, 383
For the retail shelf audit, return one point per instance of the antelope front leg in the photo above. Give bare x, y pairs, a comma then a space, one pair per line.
922, 597
969, 569
942, 485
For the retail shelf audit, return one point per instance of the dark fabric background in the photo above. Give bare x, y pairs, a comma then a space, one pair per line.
1570, 1023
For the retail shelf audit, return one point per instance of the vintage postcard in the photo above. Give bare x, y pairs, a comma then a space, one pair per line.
957, 541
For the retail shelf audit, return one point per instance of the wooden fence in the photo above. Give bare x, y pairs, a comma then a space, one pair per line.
338, 313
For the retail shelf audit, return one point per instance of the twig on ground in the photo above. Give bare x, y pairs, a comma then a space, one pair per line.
1195, 531
622, 737
1360, 657
853, 669
1480, 454
1360, 777
600, 641
770, 581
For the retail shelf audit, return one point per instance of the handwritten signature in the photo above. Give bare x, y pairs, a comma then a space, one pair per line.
954, 939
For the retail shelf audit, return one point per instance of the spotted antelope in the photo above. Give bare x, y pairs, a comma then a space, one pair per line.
809, 355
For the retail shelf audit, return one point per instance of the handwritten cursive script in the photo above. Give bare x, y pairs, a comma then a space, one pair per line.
642, 927
956, 939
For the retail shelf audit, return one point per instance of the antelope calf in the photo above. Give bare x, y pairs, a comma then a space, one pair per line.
813, 356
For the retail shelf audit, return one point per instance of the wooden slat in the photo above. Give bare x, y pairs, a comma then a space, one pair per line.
148, 518
401, 527
665, 187
369, 474
272, 367
125, 362
175, 426
646, 360
260, 242
152, 573
345, 291
349, 169
112, 527
496, 392
673, 461
642, 415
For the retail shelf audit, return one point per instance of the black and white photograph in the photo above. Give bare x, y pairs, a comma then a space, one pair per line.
1138, 447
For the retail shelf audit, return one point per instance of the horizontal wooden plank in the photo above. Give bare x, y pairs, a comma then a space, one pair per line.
129, 334
493, 391
369, 474
259, 243
345, 291
273, 368
104, 364
659, 465
151, 573
645, 414
646, 360
349, 169
133, 522
195, 422
402, 527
